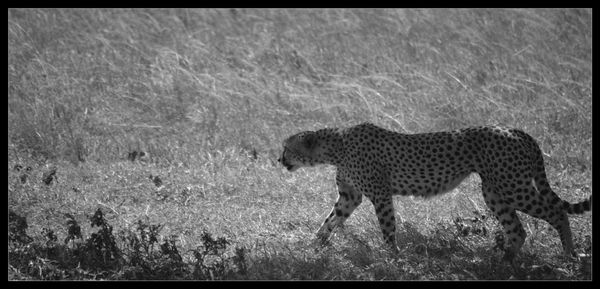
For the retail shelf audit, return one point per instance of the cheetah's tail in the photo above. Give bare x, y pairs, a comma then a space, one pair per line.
578, 208
542, 182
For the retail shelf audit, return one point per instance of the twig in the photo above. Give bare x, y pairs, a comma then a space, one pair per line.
457, 80
136, 125
100, 203
115, 211
520, 51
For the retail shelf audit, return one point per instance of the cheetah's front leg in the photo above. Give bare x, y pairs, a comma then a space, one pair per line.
347, 201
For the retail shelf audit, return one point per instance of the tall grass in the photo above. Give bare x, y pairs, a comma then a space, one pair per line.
97, 82
210, 94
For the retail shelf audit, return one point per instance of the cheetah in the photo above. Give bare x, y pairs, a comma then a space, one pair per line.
378, 163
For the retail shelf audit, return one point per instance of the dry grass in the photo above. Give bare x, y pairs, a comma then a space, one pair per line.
210, 94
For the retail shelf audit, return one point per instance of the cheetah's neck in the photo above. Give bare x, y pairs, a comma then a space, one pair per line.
332, 146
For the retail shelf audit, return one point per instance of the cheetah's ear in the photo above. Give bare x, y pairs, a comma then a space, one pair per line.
311, 141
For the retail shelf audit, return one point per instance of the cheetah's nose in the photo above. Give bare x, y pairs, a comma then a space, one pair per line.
281, 158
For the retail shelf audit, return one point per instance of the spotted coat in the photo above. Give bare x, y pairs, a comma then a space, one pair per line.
378, 163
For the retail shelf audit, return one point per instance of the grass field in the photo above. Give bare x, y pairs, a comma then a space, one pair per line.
209, 95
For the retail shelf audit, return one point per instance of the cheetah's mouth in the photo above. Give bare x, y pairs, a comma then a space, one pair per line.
287, 165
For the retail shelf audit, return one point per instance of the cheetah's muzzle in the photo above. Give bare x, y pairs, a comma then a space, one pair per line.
288, 166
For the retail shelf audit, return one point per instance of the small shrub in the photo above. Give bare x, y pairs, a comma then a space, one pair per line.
147, 262
210, 260
240, 260
16, 229
101, 245
73, 229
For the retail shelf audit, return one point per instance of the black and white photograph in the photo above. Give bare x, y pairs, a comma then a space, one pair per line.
299, 144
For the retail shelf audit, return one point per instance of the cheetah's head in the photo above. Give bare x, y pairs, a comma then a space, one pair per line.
301, 150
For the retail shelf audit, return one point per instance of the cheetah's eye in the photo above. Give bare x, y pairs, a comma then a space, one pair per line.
310, 141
